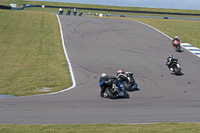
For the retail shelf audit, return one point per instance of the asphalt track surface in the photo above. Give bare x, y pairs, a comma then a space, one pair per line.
97, 45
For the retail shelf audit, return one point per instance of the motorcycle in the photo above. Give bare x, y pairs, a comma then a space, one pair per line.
128, 81
177, 45
80, 14
60, 12
113, 91
68, 12
176, 67
74, 13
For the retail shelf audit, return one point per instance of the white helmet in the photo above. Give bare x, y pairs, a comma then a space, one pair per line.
176, 36
103, 75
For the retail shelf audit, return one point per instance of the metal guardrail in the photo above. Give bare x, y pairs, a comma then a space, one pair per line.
96, 9
115, 10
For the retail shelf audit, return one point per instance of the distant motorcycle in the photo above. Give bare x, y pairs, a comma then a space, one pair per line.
176, 67
80, 14
60, 12
113, 91
74, 13
128, 81
68, 12
177, 45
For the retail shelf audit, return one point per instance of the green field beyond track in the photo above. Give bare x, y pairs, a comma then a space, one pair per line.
31, 54
187, 30
20, 2
104, 128
32, 59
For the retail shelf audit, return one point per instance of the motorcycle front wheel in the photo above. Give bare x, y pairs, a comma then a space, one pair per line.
111, 93
178, 48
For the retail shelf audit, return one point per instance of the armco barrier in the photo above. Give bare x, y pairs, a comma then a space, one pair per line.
115, 10
5, 7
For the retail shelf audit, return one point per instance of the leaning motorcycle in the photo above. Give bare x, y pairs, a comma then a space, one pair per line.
74, 13
113, 91
128, 81
176, 67
177, 45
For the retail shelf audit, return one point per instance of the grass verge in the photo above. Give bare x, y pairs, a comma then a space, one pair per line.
187, 30
104, 128
31, 54
21, 2
108, 12
31, 58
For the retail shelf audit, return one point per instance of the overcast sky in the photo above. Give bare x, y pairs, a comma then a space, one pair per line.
175, 4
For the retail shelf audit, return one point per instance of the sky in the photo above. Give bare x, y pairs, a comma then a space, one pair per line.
172, 4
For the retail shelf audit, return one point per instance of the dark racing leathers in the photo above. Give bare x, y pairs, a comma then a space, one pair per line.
169, 61
103, 82
69, 12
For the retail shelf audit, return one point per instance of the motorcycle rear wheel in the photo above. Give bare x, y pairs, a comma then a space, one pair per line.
130, 87
177, 70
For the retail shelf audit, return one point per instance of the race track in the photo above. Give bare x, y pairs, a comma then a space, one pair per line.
97, 45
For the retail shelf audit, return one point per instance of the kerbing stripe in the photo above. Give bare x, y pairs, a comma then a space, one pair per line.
187, 46
194, 49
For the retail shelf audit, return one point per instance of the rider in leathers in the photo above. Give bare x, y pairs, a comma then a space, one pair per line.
175, 39
169, 61
126, 73
108, 81
103, 82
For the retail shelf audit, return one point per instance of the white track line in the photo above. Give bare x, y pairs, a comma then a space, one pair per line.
154, 29
187, 46
69, 64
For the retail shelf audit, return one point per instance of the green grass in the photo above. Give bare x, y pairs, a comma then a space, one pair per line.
31, 54
104, 128
187, 30
108, 12
31, 46
20, 2
31, 58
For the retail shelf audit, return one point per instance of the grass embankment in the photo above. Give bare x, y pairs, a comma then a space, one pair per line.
28, 48
104, 128
20, 2
187, 30
31, 58
109, 12
31, 54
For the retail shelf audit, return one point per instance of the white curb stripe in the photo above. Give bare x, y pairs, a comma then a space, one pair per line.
69, 64
192, 49
154, 29
187, 46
